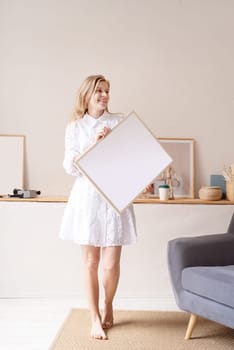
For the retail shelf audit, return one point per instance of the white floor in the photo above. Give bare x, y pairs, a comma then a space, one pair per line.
32, 324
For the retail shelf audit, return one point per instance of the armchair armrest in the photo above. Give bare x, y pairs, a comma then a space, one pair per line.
208, 250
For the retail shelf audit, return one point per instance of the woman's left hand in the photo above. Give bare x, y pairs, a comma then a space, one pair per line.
149, 188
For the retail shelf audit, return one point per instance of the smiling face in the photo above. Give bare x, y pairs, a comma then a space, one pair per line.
99, 100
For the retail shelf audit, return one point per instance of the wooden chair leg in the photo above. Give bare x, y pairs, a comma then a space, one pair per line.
191, 325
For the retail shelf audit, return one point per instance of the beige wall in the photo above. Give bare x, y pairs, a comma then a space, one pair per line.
170, 60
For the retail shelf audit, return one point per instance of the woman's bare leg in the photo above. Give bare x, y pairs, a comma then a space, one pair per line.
111, 272
91, 258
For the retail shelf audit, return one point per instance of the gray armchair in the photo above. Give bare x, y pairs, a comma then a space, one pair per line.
202, 276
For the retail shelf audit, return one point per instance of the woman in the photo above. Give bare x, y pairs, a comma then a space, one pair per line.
88, 219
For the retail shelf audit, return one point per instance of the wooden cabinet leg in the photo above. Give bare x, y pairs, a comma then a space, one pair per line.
191, 325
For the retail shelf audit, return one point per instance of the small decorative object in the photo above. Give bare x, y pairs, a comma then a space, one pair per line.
218, 180
18, 193
169, 177
164, 191
157, 183
181, 172
230, 190
210, 193
228, 174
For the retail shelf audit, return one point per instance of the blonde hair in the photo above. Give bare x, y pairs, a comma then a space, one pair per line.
85, 93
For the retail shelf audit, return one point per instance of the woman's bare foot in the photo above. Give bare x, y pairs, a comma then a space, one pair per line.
97, 331
107, 320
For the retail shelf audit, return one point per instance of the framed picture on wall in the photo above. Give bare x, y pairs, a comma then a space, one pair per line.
12, 163
180, 173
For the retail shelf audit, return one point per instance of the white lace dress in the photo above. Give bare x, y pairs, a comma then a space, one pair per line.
88, 219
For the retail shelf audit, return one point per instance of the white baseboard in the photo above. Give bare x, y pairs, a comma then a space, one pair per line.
157, 303
166, 303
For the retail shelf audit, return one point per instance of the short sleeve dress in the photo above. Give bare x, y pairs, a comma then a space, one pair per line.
89, 219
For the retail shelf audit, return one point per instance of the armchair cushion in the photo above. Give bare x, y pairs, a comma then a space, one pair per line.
212, 282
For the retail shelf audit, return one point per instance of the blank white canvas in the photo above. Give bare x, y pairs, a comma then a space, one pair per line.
125, 162
12, 163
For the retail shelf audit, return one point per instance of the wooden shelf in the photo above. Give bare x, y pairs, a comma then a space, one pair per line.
155, 200
37, 199
139, 200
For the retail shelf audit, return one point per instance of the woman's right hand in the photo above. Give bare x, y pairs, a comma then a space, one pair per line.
103, 133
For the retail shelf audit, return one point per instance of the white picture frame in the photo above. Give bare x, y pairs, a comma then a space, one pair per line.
12, 148
121, 165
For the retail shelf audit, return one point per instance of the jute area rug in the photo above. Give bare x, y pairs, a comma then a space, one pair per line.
143, 330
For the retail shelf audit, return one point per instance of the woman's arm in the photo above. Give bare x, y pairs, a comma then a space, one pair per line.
71, 149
